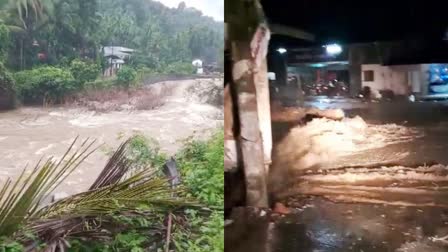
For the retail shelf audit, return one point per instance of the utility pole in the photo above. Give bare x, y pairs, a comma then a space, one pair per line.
248, 39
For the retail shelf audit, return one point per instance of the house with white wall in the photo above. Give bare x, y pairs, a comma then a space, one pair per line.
116, 56
401, 79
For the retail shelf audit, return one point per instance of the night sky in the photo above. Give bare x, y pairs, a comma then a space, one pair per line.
346, 21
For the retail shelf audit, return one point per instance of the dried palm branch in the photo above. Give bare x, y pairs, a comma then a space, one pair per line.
21, 199
115, 169
90, 214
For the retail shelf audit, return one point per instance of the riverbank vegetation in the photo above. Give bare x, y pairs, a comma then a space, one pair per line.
55, 48
127, 208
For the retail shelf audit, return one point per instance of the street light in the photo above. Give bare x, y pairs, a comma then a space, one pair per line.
281, 50
333, 49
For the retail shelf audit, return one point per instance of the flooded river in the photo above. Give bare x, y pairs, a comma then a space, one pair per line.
30, 133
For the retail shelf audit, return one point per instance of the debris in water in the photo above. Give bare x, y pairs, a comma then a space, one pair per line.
281, 209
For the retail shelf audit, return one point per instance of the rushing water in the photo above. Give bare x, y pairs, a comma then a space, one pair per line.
396, 207
28, 134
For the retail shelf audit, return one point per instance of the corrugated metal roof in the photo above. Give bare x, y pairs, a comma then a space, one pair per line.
117, 51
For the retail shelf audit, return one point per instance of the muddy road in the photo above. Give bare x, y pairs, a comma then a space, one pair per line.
28, 134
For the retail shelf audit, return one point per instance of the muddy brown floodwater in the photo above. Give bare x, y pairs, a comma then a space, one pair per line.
30, 133
377, 185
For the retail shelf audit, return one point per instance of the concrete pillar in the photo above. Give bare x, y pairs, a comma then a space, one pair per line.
248, 37
264, 111
354, 68
250, 136
424, 77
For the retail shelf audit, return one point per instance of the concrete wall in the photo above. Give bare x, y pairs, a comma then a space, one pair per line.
360, 54
402, 79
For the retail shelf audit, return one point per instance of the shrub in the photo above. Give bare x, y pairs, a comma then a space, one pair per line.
149, 61
145, 152
202, 173
4, 41
84, 71
144, 72
100, 84
44, 84
202, 169
179, 68
10, 245
7, 92
126, 76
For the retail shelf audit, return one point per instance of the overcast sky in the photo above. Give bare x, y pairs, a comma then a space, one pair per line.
212, 8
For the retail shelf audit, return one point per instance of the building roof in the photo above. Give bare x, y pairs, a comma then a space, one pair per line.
118, 51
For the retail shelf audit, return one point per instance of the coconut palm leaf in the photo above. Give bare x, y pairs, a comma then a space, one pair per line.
21, 199
115, 169
16, 29
90, 214
18, 11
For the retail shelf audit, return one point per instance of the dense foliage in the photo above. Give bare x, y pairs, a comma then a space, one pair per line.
145, 152
7, 88
4, 41
49, 31
71, 35
201, 165
126, 76
84, 71
179, 68
45, 84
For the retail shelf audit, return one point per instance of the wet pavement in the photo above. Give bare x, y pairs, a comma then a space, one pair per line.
321, 225
391, 199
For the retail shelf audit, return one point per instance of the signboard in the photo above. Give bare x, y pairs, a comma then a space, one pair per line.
313, 55
438, 79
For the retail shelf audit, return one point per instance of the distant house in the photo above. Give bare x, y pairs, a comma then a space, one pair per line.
198, 64
116, 56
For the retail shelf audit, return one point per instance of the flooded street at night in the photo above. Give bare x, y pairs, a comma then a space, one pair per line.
376, 180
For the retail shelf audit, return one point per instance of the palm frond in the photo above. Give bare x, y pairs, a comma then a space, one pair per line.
20, 201
38, 8
90, 214
143, 188
117, 166
16, 29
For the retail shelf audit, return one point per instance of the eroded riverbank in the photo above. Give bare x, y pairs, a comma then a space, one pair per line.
29, 133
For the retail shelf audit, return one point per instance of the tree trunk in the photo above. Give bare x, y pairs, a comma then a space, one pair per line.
21, 55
